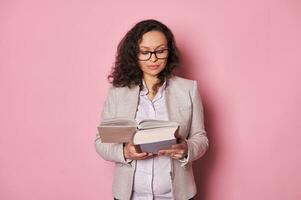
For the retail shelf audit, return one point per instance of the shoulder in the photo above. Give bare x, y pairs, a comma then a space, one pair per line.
183, 87
121, 91
182, 83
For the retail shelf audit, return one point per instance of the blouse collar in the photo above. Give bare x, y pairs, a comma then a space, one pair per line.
145, 90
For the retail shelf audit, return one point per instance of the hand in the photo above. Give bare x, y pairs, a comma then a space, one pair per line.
130, 152
177, 151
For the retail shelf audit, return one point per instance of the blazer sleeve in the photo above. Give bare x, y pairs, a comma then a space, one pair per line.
197, 140
109, 151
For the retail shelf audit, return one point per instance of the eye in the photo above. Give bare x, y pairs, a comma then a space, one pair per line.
144, 52
160, 51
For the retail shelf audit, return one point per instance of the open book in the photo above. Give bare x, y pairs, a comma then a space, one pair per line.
149, 135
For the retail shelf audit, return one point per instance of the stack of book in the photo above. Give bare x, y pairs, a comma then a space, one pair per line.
149, 135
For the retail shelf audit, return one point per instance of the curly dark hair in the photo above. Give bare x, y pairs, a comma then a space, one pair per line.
126, 71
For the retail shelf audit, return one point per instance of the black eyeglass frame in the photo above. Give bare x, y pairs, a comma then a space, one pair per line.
153, 52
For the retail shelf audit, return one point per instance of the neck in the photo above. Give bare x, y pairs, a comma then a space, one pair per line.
150, 81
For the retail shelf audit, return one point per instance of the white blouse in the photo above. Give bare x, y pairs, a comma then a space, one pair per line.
152, 180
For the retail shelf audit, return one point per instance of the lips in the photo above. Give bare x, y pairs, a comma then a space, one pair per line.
153, 66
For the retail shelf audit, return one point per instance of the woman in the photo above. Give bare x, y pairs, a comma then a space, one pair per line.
145, 88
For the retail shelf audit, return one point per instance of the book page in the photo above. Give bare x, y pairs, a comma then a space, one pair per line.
119, 122
154, 135
113, 134
152, 123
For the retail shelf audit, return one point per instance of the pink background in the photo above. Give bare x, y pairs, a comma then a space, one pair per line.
54, 58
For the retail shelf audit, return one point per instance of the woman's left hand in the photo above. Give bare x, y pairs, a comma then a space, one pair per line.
177, 151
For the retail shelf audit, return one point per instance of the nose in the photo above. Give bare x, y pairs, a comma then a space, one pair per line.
153, 57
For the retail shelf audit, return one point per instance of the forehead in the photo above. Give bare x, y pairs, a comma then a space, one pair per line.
153, 39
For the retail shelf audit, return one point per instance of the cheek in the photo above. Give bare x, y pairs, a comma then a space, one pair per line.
164, 64
140, 64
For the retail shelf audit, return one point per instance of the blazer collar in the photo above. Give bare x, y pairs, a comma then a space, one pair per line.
172, 101
130, 102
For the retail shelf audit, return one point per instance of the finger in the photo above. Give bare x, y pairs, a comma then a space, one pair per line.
143, 154
177, 146
167, 152
134, 150
177, 156
135, 154
179, 153
144, 157
130, 143
148, 156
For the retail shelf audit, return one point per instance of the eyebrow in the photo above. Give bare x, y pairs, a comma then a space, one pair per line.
149, 47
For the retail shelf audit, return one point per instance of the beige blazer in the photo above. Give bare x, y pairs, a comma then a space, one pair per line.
185, 107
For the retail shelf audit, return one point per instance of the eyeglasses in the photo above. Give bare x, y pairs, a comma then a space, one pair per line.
146, 55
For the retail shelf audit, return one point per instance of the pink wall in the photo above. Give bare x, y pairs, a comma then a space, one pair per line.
54, 58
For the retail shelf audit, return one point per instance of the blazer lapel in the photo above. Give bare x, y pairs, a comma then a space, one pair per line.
172, 102
129, 102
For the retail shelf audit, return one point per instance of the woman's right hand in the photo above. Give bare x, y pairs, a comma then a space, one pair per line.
130, 152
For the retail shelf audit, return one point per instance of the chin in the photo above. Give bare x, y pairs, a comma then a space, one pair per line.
152, 73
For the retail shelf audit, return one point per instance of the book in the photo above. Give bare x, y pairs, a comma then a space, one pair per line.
149, 135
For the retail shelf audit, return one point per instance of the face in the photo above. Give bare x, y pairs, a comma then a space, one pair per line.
152, 41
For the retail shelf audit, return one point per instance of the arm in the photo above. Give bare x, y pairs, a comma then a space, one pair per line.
116, 152
197, 140
192, 148
109, 151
